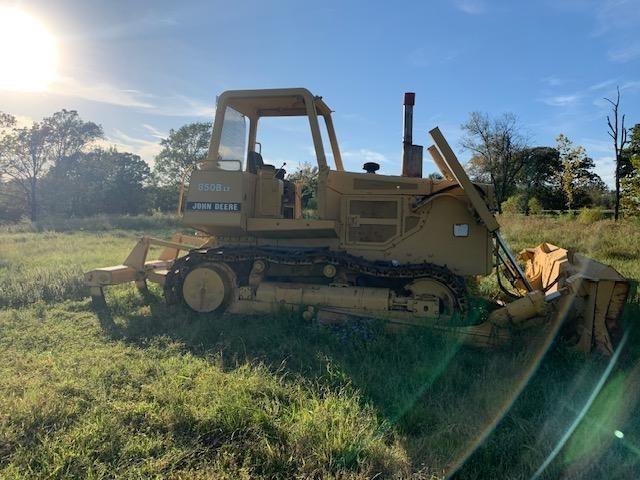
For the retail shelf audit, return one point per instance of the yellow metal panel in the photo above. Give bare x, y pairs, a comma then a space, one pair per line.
461, 177
360, 298
440, 163
291, 228
114, 275
216, 201
603, 340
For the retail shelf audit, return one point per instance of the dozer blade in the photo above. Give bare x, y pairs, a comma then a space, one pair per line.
137, 269
588, 294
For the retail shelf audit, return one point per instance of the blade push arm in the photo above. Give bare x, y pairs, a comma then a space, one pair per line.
447, 161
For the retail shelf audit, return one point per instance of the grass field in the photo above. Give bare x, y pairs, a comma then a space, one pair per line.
149, 391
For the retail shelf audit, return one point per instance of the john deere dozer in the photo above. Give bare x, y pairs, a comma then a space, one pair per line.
396, 248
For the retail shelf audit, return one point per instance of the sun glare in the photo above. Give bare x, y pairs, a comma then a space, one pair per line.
27, 52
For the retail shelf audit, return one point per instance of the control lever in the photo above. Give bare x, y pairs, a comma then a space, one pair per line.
281, 169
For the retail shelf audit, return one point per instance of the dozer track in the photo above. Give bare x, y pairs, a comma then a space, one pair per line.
361, 271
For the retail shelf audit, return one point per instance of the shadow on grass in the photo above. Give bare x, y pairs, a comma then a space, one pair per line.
390, 368
446, 401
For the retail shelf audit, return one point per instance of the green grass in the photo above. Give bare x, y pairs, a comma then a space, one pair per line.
149, 391
98, 223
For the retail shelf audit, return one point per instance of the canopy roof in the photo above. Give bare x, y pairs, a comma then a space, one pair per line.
276, 102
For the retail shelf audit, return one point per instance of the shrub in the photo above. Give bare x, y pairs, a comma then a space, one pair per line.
588, 216
512, 205
534, 206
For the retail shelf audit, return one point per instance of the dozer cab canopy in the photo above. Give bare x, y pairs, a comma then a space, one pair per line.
235, 106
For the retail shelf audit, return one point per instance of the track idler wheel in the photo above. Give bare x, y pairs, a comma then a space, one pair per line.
453, 305
208, 287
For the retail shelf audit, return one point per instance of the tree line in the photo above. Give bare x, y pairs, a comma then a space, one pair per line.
529, 179
63, 166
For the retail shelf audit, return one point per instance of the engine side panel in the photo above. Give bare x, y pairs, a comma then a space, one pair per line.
443, 232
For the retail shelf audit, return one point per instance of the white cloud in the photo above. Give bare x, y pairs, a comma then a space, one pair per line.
354, 159
625, 54
601, 103
605, 168
101, 92
618, 20
364, 155
154, 131
589, 93
471, 7
616, 15
562, 100
631, 86
147, 149
601, 85
596, 146
183, 106
554, 81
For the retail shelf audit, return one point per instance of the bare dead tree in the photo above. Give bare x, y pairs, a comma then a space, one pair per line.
618, 134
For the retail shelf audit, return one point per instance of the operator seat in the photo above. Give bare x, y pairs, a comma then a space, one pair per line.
254, 162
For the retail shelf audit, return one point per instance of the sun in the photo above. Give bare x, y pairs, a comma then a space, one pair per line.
28, 53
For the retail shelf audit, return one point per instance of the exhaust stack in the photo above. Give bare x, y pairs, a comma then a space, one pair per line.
411, 154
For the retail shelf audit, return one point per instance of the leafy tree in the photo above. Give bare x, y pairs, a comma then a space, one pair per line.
538, 178
10, 209
24, 161
595, 194
124, 189
8, 190
576, 176
99, 181
160, 196
630, 183
7, 120
534, 207
69, 134
496, 145
307, 174
634, 143
587, 216
181, 151
31, 153
513, 204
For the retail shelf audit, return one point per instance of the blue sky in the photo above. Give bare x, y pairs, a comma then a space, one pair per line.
142, 67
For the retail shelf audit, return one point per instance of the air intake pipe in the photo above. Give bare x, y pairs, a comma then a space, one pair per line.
411, 154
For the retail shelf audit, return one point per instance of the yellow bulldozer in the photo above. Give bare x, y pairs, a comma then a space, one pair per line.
397, 248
